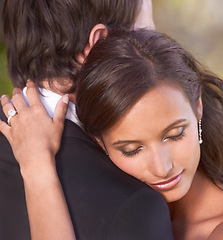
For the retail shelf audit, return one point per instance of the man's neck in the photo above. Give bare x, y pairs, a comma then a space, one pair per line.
59, 88
50, 99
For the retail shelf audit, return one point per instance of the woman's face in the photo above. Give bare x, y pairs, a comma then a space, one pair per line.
156, 141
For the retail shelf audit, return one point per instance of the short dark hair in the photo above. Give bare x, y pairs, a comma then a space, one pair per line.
126, 65
43, 37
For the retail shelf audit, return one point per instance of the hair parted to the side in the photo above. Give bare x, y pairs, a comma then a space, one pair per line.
123, 67
44, 36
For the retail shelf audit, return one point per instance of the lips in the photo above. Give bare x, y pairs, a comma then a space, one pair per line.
167, 185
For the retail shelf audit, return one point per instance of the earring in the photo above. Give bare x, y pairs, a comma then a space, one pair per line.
200, 132
106, 153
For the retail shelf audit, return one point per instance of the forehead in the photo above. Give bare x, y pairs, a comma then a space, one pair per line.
156, 110
145, 16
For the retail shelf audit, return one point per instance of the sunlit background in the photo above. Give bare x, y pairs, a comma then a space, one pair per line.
197, 25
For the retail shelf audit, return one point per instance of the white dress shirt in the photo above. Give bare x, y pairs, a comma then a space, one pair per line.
50, 99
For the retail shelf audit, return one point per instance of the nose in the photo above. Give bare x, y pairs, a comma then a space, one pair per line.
160, 162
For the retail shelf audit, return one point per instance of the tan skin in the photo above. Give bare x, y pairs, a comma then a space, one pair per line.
194, 216
157, 141
138, 145
37, 165
48, 216
199, 215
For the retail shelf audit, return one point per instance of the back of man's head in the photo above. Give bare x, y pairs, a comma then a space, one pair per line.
43, 37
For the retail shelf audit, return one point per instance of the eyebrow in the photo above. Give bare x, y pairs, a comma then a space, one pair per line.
165, 130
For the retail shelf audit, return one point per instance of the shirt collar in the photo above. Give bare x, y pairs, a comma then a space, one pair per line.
50, 99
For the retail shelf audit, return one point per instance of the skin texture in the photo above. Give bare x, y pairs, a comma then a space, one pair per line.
157, 140
145, 17
37, 165
49, 217
160, 152
190, 221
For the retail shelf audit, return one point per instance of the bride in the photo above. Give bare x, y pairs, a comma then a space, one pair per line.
155, 111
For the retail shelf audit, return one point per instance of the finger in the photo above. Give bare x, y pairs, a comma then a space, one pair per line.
4, 100
6, 104
60, 111
8, 107
33, 94
5, 130
18, 100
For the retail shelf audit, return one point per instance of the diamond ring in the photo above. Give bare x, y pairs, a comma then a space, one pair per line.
11, 113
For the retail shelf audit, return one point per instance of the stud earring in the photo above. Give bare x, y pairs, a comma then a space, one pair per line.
200, 132
106, 153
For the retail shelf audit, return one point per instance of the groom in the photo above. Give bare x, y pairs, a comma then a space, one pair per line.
47, 41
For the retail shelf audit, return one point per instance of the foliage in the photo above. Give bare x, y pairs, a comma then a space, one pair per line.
5, 84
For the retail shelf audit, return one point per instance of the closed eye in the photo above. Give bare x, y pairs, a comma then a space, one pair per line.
132, 153
176, 137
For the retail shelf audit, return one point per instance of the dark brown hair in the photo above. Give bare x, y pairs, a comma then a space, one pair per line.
44, 36
123, 67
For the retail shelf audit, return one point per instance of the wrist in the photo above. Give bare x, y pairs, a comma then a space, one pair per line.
39, 168
40, 184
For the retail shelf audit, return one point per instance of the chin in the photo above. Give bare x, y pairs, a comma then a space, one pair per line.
170, 199
175, 194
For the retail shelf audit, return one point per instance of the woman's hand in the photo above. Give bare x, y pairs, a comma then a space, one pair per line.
35, 139
33, 135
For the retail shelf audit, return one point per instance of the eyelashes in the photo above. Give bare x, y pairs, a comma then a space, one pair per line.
131, 153
134, 152
178, 137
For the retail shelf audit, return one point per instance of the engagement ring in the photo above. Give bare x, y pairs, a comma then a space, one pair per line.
11, 113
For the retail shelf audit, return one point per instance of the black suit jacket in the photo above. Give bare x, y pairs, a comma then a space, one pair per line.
104, 202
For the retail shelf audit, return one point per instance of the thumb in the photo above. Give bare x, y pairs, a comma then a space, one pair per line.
61, 110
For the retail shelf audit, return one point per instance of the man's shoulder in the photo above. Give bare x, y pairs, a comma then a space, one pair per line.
12, 201
79, 151
75, 143
72, 130
6, 155
144, 212
2, 115
86, 173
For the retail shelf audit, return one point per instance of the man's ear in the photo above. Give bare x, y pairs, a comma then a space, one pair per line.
97, 32
199, 108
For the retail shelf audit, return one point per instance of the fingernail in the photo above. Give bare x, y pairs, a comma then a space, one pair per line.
66, 98
28, 81
16, 90
2, 97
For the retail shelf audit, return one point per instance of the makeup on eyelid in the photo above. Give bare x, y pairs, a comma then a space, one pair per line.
134, 151
156, 141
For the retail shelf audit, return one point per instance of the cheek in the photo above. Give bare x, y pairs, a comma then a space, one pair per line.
193, 145
129, 165
187, 152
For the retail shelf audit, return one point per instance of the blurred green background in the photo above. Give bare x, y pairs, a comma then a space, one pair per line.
197, 25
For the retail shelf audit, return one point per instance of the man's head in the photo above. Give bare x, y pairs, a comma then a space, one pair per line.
48, 39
